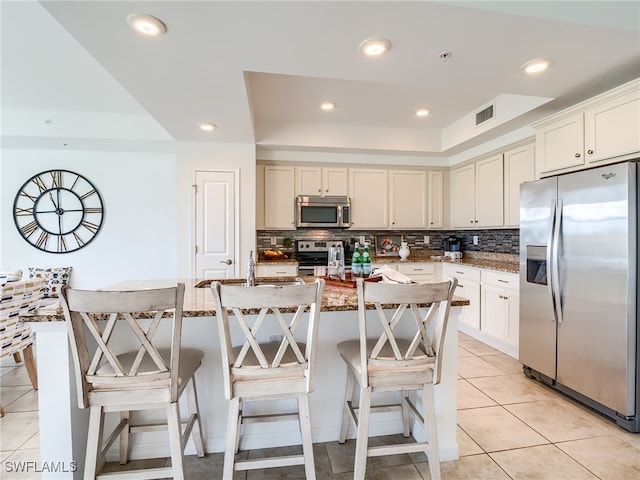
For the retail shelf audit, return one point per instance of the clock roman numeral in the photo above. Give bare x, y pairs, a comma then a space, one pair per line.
78, 239
39, 183
24, 212
42, 240
93, 210
27, 230
92, 227
62, 244
88, 194
56, 178
25, 194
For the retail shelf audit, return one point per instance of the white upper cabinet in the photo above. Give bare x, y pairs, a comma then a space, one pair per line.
603, 128
368, 189
477, 194
489, 192
463, 193
408, 198
519, 167
560, 145
435, 204
324, 181
279, 197
613, 128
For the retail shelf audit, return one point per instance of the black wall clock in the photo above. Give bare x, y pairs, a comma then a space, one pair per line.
58, 211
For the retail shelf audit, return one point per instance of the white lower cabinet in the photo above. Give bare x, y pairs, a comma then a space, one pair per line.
469, 288
276, 270
494, 301
499, 311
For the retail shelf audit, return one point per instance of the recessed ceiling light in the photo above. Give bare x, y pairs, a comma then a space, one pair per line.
374, 47
146, 24
422, 112
207, 127
536, 66
327, 106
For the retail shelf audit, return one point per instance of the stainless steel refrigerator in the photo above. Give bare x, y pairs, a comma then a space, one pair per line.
579, 287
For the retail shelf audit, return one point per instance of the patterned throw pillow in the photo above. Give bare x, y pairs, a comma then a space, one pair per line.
56, 278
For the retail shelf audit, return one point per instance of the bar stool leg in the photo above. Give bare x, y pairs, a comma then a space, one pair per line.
430, 417
192, 401
124, 437
94, 442
232, 438
305, 430
175, 440
362, 439
406, 414
346, 413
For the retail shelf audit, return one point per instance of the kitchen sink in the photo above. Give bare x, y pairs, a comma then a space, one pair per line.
260, 282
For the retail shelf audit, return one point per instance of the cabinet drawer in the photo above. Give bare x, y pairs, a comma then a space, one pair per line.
501, 279
461, 273
271, 270
417, 268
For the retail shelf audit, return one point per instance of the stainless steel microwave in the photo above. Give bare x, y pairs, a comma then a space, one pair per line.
323, 212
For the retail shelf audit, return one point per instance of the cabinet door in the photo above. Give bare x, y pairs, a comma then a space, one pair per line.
279, 197
408, 199
309, 180
368, 189
463, 197
469, 288
490, 192
513, 312
494, 311
435, 192
613, 128
519, 167
560, 145
335, 181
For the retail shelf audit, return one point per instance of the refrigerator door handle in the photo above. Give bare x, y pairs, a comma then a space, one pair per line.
550, 258
556, 261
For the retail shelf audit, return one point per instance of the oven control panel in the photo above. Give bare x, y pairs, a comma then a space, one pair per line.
317, 245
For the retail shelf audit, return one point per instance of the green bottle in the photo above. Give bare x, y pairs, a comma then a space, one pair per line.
356, 265
366, 261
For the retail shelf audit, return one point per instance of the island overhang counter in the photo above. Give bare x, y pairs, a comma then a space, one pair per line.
63, 426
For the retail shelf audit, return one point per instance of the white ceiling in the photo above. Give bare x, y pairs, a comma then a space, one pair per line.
258, 70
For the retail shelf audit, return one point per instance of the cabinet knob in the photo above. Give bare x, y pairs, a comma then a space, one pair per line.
590, 152
430, 223
319, 190
470, 221
475, 221
577, 155
327, 190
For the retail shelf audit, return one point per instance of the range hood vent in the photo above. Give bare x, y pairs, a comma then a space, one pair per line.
484, 115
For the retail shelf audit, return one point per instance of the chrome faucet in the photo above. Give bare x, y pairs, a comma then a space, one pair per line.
251, 271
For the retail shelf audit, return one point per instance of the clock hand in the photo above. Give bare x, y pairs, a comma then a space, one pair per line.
53, 201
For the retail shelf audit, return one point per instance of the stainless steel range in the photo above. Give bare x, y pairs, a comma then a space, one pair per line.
313, 253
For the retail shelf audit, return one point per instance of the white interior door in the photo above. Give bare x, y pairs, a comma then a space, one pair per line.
215, 208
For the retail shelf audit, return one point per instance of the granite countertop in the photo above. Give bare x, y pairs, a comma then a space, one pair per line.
198, 301
502, 262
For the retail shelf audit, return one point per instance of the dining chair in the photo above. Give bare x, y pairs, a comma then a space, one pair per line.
114, 378
16, 299
255, 369
406, 356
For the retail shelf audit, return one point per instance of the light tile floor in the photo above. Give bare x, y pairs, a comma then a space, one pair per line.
509, 427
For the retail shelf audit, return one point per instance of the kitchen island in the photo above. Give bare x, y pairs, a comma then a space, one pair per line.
63, 425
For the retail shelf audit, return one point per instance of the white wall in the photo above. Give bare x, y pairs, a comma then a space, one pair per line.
239, 158
138, 238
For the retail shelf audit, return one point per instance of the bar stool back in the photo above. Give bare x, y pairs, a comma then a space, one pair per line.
147, 377
258, 371
392, 362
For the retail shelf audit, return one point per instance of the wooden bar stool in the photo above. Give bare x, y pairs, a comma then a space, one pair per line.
394, 363
147, 377
255, 371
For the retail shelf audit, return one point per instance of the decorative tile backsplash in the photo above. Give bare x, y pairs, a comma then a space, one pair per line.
499, 241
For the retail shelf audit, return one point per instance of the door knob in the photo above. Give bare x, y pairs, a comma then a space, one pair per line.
228, 261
